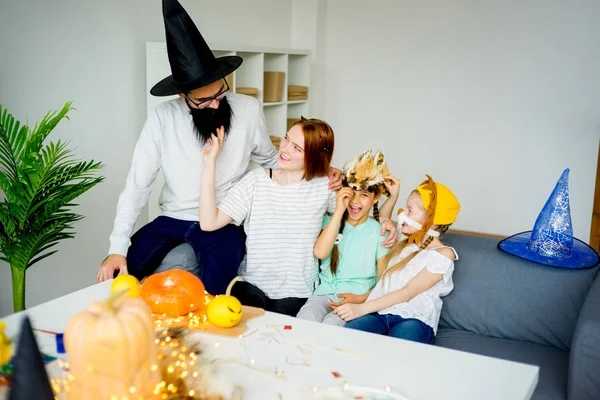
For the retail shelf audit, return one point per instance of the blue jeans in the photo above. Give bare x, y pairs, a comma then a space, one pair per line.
219, 253
393, 325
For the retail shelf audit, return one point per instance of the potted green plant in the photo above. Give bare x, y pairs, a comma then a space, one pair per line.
38, 184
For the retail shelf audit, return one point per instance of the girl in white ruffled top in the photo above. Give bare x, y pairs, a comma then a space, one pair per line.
406, 302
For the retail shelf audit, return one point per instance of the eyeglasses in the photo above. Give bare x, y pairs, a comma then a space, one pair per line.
206, 101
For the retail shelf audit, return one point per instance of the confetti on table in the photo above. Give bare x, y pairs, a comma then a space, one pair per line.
60, 344
305, 363
245, 335
356, 392
58, 339
46, 331
306, 345
277, 373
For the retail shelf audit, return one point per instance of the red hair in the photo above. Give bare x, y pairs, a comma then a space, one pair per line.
318, 147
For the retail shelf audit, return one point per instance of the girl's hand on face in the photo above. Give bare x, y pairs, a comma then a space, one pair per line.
392, 183
348, 311
343, 198
213, 146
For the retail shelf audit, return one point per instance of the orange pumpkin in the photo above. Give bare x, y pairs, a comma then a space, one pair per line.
174, 292
112, 351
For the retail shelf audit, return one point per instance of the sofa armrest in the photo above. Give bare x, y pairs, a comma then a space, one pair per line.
584, 360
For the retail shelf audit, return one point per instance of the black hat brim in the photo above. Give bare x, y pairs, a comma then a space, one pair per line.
168, 86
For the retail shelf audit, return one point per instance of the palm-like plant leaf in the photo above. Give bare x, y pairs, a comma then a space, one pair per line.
39, 183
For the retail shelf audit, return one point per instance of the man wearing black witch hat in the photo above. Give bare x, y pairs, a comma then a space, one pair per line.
172, 139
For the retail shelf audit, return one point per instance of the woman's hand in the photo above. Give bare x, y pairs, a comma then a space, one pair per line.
348, 311
335, 179
342, 199
213, 146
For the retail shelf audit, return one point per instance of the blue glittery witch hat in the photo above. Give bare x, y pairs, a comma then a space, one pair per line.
551, 241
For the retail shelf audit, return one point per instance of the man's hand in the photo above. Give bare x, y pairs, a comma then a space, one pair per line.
111, 264
349, 298
348, 312
390, 226
335, 179
213, 146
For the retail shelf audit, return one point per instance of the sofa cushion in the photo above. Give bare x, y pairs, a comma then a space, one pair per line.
553, 363
181, 257
500, 295
584, 360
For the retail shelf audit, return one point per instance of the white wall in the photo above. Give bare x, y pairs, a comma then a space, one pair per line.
492, 98
94, 53
309, 21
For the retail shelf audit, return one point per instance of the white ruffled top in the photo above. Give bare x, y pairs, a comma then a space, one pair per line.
426, 306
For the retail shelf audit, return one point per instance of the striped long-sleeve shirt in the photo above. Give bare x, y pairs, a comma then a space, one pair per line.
282, 224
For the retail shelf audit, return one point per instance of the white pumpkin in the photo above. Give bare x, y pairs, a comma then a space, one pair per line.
112, 351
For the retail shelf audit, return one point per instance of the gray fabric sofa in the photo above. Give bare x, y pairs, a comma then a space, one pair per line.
506, 307
181, 257
509, 308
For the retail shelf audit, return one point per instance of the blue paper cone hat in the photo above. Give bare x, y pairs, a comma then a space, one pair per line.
551, 241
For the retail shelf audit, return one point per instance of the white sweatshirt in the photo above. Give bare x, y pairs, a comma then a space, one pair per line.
168, 141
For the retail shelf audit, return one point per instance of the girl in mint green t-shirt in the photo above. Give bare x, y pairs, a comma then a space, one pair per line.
350, 244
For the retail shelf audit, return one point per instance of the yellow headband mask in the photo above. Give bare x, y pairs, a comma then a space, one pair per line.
403, 218
441, 206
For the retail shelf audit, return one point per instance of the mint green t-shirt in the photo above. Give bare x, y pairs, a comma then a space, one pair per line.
359, 250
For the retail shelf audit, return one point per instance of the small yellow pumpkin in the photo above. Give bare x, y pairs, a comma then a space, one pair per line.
5, 347
112, 351
224, 311
126, 282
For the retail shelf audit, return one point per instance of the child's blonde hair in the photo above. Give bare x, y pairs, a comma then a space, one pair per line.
399, 246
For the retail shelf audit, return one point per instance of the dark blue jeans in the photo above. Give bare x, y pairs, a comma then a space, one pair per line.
393, 325
219, 253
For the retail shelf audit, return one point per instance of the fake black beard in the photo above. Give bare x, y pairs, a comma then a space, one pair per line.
207, 120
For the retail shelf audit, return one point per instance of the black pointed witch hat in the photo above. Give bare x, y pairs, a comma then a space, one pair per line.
29, 379
193, 65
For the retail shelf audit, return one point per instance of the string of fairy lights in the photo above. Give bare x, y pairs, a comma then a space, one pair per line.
179, 363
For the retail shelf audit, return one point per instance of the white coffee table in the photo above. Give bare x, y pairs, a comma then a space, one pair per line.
306, 357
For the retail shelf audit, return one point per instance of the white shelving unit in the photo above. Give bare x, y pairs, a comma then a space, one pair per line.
295, 63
